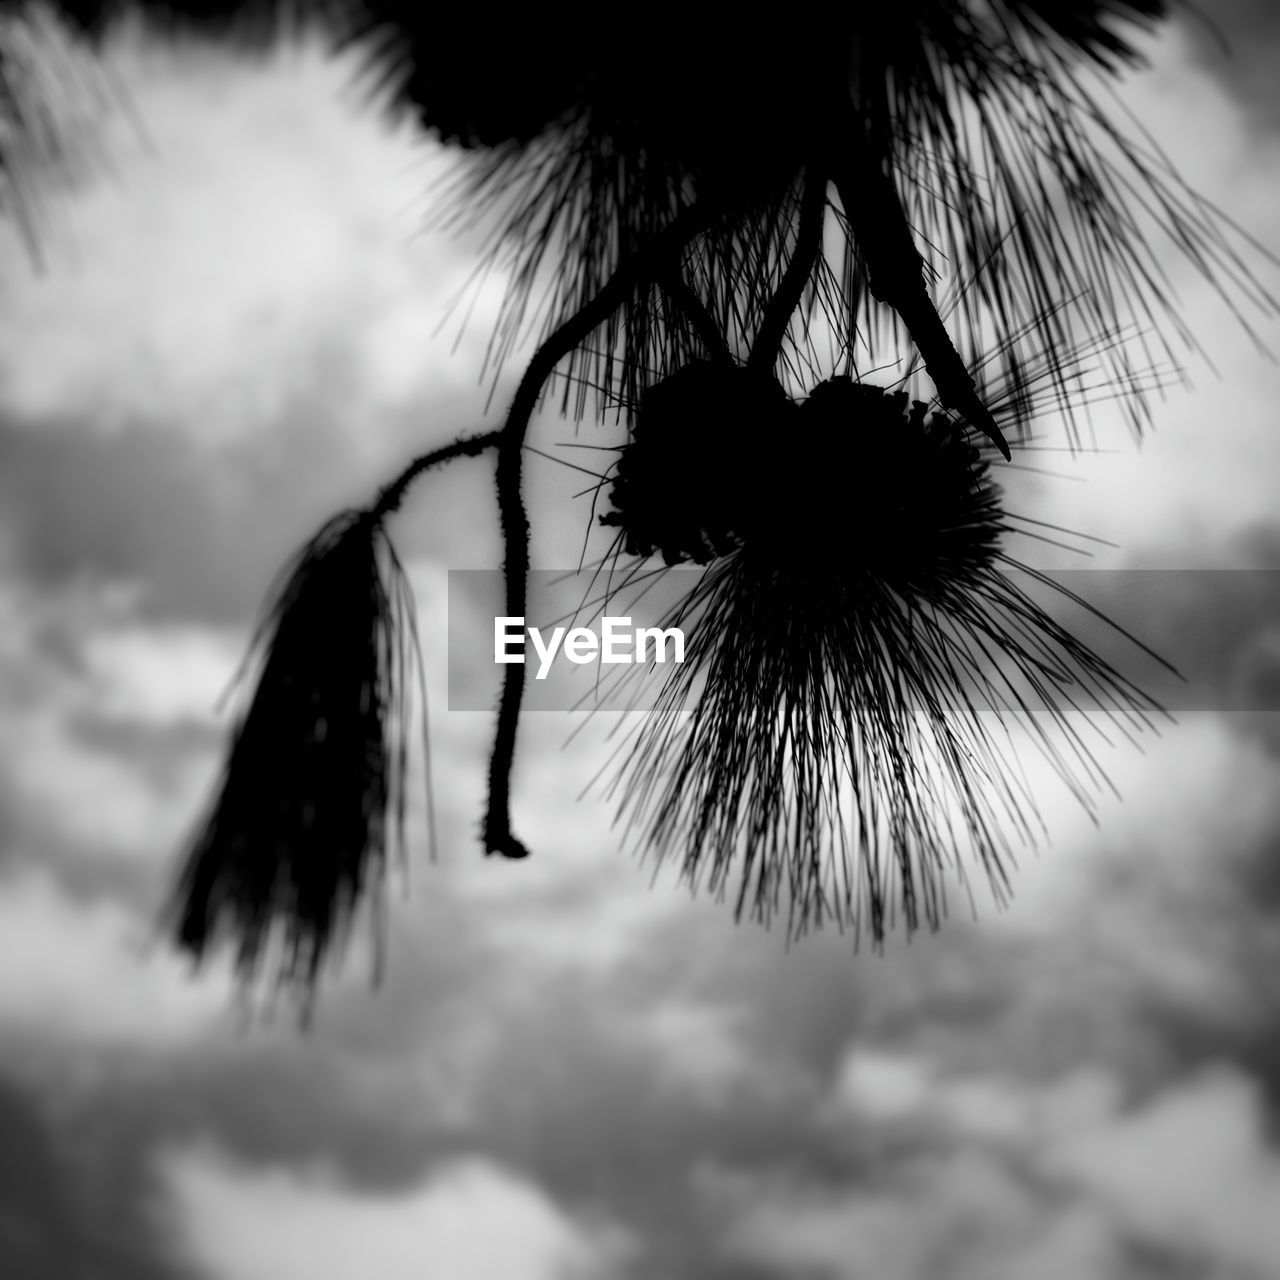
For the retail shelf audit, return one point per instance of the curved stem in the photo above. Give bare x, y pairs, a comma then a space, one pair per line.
683, 294
895, 272
392, 495
661, 253
782, 306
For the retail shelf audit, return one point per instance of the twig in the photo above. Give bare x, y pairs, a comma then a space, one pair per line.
896, 278
682, 293
663, 251
392, 495
782, 306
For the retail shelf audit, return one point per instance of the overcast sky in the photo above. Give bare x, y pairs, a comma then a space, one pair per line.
570, 1071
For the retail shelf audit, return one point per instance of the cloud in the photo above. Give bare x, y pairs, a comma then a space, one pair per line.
157, 676
59, 1217
96, 804
247, 344
911, 1093
958, 1214
1206, 468
196, 531
1237, 41
990, 1173
256, 240
109, 733
696, 1049
1161, 899
77, 976
1190, 1169
469, 1220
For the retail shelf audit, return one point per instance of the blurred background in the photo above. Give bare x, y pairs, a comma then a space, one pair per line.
235, 325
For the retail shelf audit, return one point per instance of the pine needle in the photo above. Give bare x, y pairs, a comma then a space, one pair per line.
312, 797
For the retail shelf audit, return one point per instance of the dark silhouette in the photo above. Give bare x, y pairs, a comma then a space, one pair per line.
318, 763
681, 178
858, 623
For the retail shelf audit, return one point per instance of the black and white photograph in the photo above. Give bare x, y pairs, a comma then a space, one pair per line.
639, 642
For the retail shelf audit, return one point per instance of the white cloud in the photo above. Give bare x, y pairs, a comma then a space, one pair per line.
957, 1215
470, 1220
895, 1088
580, 901
696, 1048
257, 241
1190, 1169
884, 1086
101, 799
995, 1171
1117, 900
159, 675
89, 975
1208, 466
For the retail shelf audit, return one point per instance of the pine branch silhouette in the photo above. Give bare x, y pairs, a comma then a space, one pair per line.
841, 735
704, 196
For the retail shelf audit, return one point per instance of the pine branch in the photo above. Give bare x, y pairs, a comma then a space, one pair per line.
896, 277
782, 306
683, 294
662, 253
392, 495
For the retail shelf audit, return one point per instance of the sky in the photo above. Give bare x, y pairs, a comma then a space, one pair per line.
573, 1068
